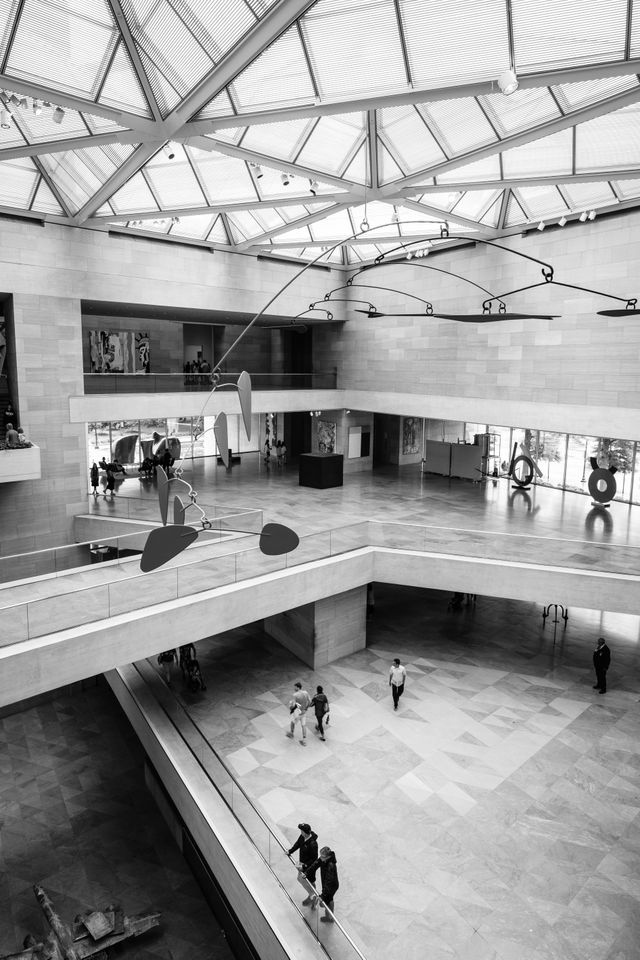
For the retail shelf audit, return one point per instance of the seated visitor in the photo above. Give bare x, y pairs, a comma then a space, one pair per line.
12, 438
23, 439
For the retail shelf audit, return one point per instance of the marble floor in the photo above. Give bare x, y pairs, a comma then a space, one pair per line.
76, 817
495, 816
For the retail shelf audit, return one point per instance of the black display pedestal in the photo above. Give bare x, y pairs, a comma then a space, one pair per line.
320, 470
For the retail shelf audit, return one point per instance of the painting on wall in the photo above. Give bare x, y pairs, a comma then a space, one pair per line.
123, 351
326, 436
411, 430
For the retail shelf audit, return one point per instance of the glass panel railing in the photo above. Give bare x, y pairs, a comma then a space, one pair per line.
270, 846
72, 593
107, 383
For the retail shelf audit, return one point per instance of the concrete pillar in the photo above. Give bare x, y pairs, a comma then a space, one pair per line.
321, 632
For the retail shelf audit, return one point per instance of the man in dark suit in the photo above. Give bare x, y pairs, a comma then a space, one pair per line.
601, 661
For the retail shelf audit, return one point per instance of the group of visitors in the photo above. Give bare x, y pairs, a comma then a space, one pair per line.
298, 706
14, 435
188, 663
312, 860
197, 373
276, 451
149, 466
113, 471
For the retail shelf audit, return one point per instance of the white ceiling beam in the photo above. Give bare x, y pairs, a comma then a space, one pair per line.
358, 241
372, 147
296, 201
546, 129
134, 56
442, 215
61, 99
72, 143
294, 225
424, 95
464, 185
274, 23
353, 190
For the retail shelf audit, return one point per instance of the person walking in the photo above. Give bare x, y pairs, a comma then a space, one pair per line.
320, 705
187, 654
397, 677
601, 661
166, 659
307, 845
298, 712
328, 866
111, 482
95, 478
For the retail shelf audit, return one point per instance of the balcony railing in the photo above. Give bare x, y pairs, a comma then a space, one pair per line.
192, 382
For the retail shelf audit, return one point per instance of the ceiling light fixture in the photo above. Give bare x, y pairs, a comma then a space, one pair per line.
508, 82
285, 179
58, 115
541, 225
37, 107
14, 100
583, 216
5, 119
24, 103
169, 150
395, 218
313, 187
592, 214
562, 221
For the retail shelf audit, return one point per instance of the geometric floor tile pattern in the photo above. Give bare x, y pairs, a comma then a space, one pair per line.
76, 816
495, 816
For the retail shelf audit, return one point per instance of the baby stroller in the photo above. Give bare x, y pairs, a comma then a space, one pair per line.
195, 680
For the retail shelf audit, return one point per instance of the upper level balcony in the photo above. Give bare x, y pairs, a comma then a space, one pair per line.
127, 383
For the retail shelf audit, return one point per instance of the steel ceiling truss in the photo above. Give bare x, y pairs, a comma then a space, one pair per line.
150, 133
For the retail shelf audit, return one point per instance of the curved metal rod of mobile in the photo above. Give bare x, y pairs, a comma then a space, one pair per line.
630, 302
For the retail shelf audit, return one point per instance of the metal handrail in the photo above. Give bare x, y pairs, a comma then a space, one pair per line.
156, 681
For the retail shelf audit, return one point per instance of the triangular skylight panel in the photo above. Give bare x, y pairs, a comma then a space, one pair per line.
520, 110
443, 201
45, 201
409, 138
515, 213
627, 189
582, 195
231, 135
357, 171
278, 76
585, 32
167, 97
609, 142
541, 201
173, 182
220, 106
458, 125
474, 203
488, 168
354, 48
225, 179
546, 157
388, 169
18, 181
334, 227
572, 96
491, 216
134, 197
332, 143
283, 140
122, 88
63, 45
218, 233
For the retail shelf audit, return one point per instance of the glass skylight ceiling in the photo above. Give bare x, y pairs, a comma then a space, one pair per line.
297, 125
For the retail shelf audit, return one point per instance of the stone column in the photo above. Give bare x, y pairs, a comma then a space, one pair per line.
47, 369
321, 632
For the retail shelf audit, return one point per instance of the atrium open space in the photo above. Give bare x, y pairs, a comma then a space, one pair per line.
319, 365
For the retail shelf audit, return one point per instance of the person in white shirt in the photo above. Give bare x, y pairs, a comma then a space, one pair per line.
397, 677
298, 712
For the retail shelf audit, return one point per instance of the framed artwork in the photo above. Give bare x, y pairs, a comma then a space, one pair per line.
122, 351
411, 430
326, 436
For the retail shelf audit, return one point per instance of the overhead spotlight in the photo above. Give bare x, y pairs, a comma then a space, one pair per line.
347, 411
5, 119
395, 218
444, 230
592, 214
508, 82
409, 255
583, 216
24, 103
14, 100
562, 221
58, 115
285, 179
175, 219
313, 187
541, 225
258, 170
45, 103
37, 107
169, 150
